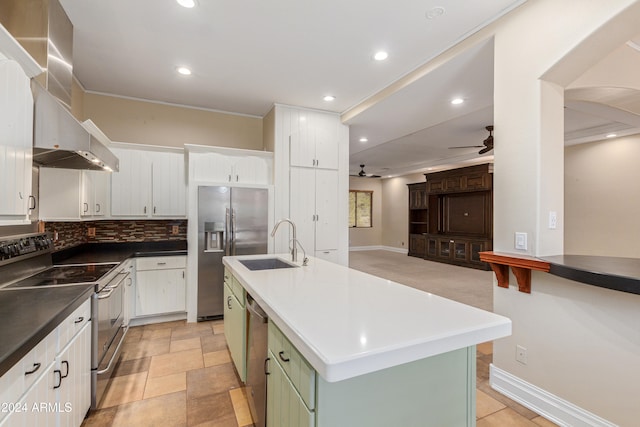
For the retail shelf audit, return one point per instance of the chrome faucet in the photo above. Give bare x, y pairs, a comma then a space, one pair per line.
294, 249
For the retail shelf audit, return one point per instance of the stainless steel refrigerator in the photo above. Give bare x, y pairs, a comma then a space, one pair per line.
231, 221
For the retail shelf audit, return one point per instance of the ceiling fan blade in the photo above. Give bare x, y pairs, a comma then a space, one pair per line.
466, 146
486, 149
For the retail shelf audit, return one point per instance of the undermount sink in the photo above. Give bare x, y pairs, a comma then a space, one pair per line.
265, 264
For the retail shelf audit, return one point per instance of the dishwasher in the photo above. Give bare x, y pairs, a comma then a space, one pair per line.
257, 360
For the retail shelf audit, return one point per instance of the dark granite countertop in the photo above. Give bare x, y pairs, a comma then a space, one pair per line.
118, 252
29, 315
620, 274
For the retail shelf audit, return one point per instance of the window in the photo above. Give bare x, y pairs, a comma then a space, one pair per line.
360, 208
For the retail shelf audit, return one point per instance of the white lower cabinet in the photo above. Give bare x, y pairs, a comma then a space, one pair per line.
235, 323
160, 285
51, 385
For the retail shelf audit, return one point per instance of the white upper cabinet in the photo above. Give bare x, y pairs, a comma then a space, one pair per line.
168, 181
315, 142
149, 184
60, 194
16, 136
94, 193
131, 185
230, 168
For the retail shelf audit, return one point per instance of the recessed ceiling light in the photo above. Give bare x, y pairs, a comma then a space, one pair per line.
435, 12
381, 56
456, 101
187, 3
363, 139
329, 98
184, 71
611, 135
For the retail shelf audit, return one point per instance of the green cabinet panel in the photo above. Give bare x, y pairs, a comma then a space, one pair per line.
285, 407
235, 331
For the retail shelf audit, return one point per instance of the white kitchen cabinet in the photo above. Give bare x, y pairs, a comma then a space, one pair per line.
60, 194
16, 139
131, 185
51, 385
160, 285
94, 193
148, 184
238, 167
129, 290
315, 142
169, 192
314, 209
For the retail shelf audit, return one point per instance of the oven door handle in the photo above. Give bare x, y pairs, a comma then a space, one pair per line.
116, 352
124, 277
106, 293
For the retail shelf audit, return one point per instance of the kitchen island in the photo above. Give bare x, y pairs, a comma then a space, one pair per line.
380, 353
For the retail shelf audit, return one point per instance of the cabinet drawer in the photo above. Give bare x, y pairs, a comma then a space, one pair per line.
23, 374
298, 370
238, 291
161, 263
73, 324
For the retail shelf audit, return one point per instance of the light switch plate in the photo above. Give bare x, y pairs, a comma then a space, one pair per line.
553, 220
521, 241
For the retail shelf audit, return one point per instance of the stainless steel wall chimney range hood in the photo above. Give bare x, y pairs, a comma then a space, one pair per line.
44, 30
60, 141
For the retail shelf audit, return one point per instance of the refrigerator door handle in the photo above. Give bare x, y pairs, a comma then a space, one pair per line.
233, 231
226, 232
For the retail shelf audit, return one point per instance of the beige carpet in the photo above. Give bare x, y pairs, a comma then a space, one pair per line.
466, 285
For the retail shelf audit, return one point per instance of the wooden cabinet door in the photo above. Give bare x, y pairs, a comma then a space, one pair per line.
169, 192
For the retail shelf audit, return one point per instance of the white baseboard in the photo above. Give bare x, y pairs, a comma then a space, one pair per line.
548, 405
378, 248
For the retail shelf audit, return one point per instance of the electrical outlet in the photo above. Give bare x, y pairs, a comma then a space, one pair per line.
174, 229
521, 354
521, 241
553, 220
91, 231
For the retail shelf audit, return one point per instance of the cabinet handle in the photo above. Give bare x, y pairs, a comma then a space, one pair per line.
145, 210
266, 366
229, 302
229, 178
57, 371
154, 209
236, 178
97, 207
86, 207
65, 363
183, 274
281, 355
36, 366
79, 319
162, 263
20, 195
32, 206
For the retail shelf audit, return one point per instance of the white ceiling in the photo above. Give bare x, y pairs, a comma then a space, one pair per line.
248, 55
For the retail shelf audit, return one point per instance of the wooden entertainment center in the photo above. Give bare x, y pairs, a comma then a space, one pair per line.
451, 216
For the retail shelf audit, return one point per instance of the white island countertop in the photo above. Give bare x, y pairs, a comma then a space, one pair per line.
348, 323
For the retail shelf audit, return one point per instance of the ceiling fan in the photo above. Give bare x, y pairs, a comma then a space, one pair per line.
363, 174
487, 143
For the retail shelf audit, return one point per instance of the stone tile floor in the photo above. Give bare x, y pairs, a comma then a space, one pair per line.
181, 374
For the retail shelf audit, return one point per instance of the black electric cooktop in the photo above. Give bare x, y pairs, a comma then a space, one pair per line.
63, 275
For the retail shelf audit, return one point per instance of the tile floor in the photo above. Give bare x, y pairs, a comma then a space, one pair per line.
180, 374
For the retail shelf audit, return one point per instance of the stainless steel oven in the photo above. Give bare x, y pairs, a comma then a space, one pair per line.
109, 332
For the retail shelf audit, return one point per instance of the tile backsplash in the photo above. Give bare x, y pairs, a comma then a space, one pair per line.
74, 233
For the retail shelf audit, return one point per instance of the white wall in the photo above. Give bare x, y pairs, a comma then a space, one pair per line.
395, 210
579, 342
602, 198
